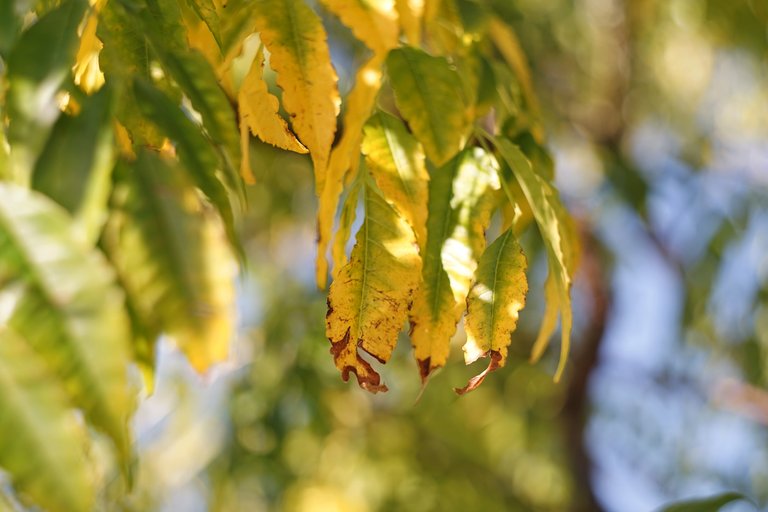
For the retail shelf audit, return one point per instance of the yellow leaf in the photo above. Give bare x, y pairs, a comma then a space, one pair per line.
374, 22
410, 13
368, 302
259, 110
396, 162
460, 203
296, 40
345, 157
88, 75
496, 298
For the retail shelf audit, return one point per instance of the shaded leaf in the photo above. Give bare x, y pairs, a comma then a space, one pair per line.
429, 95
41, 442
493, 304
368, 302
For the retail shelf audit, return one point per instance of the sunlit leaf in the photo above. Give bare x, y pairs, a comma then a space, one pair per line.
493, 304
41, 442
296, 40
429, 96
368, 301
374, 22
410, 13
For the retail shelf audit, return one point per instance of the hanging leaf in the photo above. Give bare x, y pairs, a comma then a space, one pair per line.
368, 302
70, 311
460, 206
345, 158
374, 22
296, 40
88, 75
429, 95
38, 67
410, 13
259, 110
41, 442
76, 163
493, 304
348, 216
396, 162
171, 260
559, 239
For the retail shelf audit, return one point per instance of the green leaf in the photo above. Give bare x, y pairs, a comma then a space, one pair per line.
171, 258
38, 67
493, 304
460, 203
429, 95
558, 235
10, 26
76, 163
368, 301
711, 504
40, 440
69, 309
193, 149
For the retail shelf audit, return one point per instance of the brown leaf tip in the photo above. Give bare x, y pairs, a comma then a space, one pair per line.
475, 381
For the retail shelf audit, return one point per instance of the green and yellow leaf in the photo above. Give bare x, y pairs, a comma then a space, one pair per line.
410, 14
41, 443
374, 22
493, 304
70, 310
170, 255
298, 47
559, 239
259, 110
348, 216
429, 95
368, 302
460, 205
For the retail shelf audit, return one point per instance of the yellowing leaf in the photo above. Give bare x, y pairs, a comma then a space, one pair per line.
374, 22
429, 95
396, 162
460, 203
345, 157
410, 13
368, 302
559, 239
496, 298
259, 110
299, 54
88, 75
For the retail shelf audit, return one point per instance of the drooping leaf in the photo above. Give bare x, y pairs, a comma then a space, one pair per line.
348, 215
559, 239
410, 13
345, 157
38, 67
493, 304
368, 302
194, 150
711, 504
374, 22
170, 255
88, 74
70, 311
396, 162
75, 165
429, 96
460, 203
259, 110
41, 442
296, 40
206, 10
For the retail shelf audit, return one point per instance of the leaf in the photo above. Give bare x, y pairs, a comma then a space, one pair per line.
194, 150
711, 504
70, 311
88, 75
374, 22
345, 157
396, 162
259, 110
40, 440
169, 254
206, 10
296, 40
460, 204
493, 304
410, 13
76, 163
10, 26
38, 67
348, 215
429, 96
368, 302
559, 239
